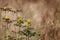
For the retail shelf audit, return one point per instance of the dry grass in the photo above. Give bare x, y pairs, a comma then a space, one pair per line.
43, 14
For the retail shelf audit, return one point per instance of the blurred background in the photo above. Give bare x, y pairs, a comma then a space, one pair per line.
45, 16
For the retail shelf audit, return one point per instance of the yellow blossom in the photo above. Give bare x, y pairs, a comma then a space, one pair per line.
4, 7
6, 17
19, 19
28, 21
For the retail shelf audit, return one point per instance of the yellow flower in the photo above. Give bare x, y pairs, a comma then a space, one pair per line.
28, 21
4, 7
6, 17
28, 25
19, 19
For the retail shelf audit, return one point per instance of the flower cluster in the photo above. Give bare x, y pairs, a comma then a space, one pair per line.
19, 21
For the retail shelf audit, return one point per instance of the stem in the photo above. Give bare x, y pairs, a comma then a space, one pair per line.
6, 31
28, 38
19, 34
15, 33
31, 39
4, 34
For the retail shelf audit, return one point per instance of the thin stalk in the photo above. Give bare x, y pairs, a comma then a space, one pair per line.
15, 34
7, 31
15, 29
19, 31
31, 39
28, 38
4, 34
